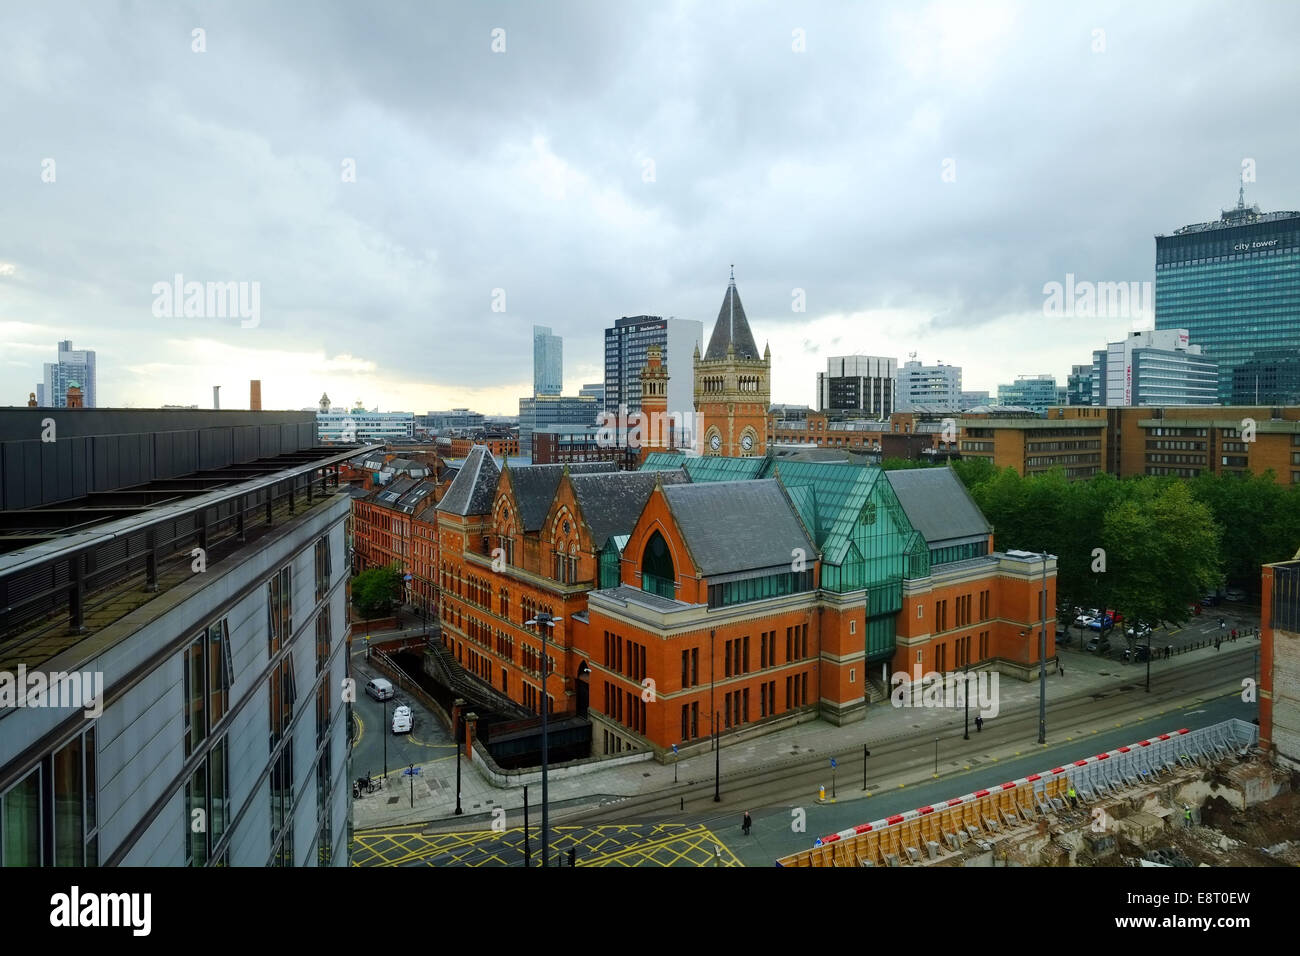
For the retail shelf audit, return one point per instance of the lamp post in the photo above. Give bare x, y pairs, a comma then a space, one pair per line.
1042, 663
460, 725
936, 756
1148, 658
544, 620
717, 762
965, 696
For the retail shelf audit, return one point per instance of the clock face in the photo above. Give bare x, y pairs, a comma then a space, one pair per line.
747, 442
715, 442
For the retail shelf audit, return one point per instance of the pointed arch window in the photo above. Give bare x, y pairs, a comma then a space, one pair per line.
657, 572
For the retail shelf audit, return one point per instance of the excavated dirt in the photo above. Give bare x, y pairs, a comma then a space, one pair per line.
1267, 834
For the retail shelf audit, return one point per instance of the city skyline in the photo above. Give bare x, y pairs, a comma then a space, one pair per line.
961, 221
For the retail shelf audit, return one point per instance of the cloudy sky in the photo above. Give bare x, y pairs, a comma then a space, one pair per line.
385, 177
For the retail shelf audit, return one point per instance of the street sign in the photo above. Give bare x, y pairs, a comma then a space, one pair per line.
411, 772
832, 763
674, 750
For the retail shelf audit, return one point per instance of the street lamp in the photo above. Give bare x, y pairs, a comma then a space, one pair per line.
1042, 663
544, 620
965, 696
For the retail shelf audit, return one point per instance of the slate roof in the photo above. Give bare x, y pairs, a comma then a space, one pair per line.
938, 504
732, 328
476, 482
735, 526
612, 502
534, 487
389, 494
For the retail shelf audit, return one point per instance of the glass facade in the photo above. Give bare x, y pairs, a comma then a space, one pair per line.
1234, 285
760, 587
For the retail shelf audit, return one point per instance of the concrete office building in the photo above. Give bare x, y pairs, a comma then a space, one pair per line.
1233, 284
548, 362
1153, 368
971, 399
933, 386
596, 391
187, 570
858, 385
360, 425
74, 365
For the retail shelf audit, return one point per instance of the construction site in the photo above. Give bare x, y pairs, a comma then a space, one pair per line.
1206, 797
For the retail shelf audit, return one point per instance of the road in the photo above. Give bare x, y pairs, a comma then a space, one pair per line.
654, 830
427, 741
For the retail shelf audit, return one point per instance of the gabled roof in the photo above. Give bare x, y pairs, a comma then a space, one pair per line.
534, 487
732, 329
388, 495
938, 504
475, 485
612, 502
732, 526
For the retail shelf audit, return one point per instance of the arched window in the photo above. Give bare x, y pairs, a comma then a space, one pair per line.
657, 572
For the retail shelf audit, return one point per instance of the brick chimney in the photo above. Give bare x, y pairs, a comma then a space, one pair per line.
255, 395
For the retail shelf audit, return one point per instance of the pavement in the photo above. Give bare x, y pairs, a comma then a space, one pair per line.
431, 798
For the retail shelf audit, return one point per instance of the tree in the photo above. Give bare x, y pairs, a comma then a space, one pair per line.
375, 590
1162, 549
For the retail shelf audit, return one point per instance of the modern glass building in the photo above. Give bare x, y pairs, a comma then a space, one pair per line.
548, 362
1234, 284
858, 384
1036, 392
542, 410
74, 365
627, 345
932, 386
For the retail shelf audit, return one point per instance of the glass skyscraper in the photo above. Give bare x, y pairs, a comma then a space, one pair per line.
548, 362
1234, 284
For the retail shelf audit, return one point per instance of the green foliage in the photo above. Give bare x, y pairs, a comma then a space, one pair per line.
375, 590
1147, 546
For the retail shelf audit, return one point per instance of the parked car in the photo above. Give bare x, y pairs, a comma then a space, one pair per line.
1140, 632
402, 719
1138, 654
1210, 600
379, 688
1083, 620
1098, 645
1234, 594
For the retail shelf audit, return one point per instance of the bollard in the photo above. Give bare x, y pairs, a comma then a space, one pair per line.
821, 793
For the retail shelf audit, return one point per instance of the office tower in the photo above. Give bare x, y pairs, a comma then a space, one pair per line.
73, 365
858, 384
933, 386
596, 391
1078, 388
1233, 284
548, 362
627, 345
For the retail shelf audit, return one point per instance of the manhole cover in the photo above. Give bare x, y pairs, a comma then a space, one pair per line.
645, 774
392, 800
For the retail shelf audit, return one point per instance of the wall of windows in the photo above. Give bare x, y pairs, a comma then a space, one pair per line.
50, 817
759, 588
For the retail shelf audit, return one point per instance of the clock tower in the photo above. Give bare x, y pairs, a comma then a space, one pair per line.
733, 385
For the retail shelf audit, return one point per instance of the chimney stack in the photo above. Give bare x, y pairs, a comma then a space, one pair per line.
216, 396
255, 395
75, 398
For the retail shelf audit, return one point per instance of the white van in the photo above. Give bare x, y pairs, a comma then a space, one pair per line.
379, 688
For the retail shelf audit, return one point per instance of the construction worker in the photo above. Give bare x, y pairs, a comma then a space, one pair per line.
1074, 797
1187, 815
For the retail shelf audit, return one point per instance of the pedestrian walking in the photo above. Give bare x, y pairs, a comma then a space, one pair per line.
1234, 635
979, 723
1217, 642
747, 823
1060, 668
